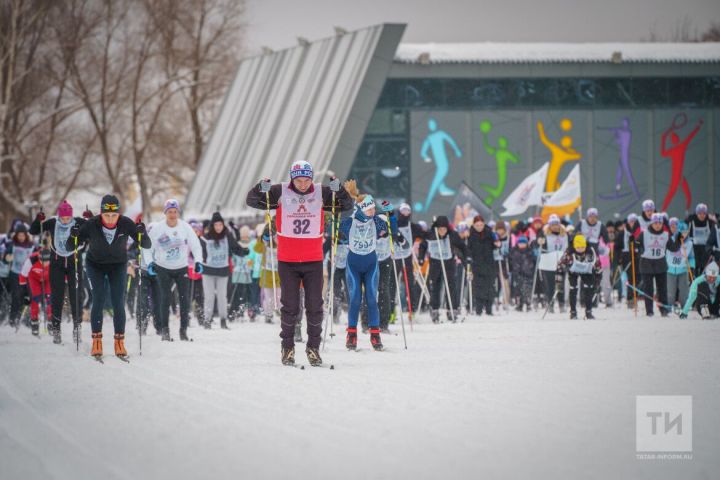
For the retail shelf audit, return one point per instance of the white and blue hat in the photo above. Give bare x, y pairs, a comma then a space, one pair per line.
648, 205
367, 203
301, 168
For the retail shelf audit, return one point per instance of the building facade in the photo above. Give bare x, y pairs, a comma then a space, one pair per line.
433, 123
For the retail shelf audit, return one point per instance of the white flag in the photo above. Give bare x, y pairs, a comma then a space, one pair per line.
569, 191
529, 193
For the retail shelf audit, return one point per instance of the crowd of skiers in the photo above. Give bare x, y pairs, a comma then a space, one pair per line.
328, 248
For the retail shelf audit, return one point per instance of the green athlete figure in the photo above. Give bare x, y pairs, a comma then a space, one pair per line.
502, 157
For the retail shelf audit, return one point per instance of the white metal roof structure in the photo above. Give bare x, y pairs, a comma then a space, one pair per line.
311, 102
494, 52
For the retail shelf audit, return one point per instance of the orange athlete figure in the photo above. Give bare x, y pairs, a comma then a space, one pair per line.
559, 154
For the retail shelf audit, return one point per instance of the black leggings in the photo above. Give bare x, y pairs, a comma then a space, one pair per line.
650, 281
166, 278
116, 275
483, 292
62, 270
148, 300
437, 283
311, 276
386, 292
550, 281
587, 289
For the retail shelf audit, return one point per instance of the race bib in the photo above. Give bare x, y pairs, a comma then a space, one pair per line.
440, 250
301, 215
363, 236
406, 250
217, 253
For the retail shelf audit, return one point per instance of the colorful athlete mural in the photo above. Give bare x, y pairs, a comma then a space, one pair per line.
559, 154
502, 157
676, 153
434, 144
623, 139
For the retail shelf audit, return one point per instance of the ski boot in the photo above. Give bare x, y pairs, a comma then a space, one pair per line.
551, 308
223, 324
166, 335
375, 339
97, 348
298, 333
288, 356
77, 333
183, 335
435, 316
207, 324
120, 346
55, 332
351, 338
35, 327
573, 314
589, 315
519, 307
313, 356
268, 318
364, 329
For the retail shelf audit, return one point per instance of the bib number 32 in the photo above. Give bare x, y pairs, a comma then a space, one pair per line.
301, 227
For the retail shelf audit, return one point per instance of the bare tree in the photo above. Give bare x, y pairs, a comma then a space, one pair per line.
91, 93
203, 38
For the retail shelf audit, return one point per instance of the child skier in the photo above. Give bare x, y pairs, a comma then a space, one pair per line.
362, 231
36, 275
582, 265
522, 266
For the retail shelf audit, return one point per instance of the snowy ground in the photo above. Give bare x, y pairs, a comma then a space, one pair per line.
508, 397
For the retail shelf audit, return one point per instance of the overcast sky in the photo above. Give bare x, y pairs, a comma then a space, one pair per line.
277, 23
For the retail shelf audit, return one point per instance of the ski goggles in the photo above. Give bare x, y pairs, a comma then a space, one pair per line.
109, 207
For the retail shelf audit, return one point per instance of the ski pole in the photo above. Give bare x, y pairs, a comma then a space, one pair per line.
462, 292
77, 300
669, 308
331, 287
687, 262
469, 276
272, 263
632, 263
421, 282
397, 284
42, 283
535, 275
407, 293
445, 277
138, 312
